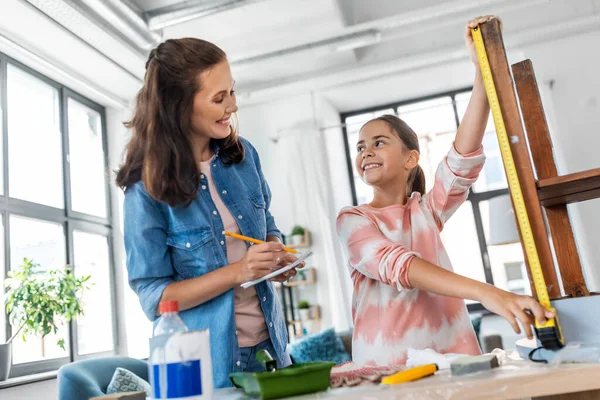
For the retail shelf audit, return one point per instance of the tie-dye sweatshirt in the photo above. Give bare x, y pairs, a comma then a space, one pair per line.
390, 316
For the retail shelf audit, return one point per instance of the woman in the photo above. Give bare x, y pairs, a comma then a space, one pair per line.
187, 177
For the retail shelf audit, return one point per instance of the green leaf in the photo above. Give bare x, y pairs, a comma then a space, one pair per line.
41, 299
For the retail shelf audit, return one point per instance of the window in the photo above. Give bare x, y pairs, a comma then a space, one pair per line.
44, 242
95, 327
35, 170
516, 278
55, 208
467, 235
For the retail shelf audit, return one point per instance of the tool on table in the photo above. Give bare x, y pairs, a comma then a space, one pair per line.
411, 374
274, 383
470, 364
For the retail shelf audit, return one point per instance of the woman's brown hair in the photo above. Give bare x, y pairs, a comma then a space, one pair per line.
416, 177
160, 150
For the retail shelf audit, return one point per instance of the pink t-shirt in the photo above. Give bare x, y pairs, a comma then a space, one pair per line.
249, 318
390, 316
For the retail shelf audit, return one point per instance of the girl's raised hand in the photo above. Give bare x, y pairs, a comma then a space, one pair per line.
469, 38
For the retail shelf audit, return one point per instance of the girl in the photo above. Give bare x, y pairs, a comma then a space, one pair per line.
405, 293
188, 177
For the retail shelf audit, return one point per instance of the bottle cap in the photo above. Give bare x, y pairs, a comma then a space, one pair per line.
168, 306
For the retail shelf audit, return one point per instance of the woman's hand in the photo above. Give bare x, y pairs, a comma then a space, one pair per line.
469, 38
284, 260
515, 307
259, 260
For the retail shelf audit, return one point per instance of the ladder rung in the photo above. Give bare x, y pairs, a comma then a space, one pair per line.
570, 188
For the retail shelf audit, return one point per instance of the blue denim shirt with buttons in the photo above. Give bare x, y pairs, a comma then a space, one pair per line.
165, 244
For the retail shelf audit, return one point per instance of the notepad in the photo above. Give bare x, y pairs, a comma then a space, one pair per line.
280, 271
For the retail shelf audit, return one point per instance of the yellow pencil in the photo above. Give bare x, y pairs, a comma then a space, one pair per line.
410, 374
252, 240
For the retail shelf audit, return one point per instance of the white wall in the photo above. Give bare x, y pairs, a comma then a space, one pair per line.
260, 124
328, 117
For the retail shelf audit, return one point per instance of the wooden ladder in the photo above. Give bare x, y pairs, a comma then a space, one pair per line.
547, 197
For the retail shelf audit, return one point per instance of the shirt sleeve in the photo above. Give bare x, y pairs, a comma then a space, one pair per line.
455, 175
370, 252
148, 261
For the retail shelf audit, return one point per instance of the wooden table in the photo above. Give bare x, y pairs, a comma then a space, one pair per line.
513, 380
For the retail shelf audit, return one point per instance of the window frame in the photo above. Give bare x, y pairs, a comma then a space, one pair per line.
69, 219
475, 198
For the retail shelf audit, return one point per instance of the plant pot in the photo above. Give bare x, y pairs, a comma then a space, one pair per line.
304, 314
296, 239
5, 360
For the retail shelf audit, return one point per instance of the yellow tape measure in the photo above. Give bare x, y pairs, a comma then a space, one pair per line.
549, 334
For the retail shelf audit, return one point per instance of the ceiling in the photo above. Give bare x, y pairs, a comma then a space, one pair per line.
278, 43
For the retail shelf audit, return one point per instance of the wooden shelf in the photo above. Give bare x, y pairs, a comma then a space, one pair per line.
316, 311
310, 275
571, 188
305, 242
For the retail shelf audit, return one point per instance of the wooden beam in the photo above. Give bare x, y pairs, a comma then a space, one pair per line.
540, 144
569, 188
496, 53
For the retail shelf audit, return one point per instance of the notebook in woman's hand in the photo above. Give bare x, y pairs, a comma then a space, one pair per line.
280, 271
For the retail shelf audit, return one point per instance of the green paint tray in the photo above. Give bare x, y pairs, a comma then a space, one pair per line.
295, 380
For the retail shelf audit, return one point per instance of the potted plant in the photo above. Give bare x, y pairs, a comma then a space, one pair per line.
304, 310
297, 235
301, 276
28, 288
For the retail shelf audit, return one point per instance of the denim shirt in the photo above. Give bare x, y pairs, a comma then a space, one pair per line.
165, 244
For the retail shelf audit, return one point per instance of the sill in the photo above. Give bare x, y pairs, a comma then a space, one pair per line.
28, 379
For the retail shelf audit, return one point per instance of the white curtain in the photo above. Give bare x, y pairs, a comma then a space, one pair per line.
302, 156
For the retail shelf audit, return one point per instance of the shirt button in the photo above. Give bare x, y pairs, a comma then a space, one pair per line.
222, 243
236, 333
238, 363
270, 324
265, 298
214, 165
224, 192
239, 217
188, 245
214, 213
203, 187
201, 176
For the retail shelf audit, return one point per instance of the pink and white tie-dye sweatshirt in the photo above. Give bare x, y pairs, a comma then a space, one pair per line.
390, 316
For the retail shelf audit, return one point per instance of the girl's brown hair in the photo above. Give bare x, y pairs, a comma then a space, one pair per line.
416, 177
160, 150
